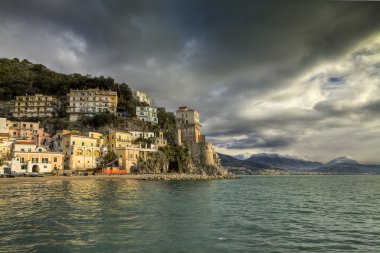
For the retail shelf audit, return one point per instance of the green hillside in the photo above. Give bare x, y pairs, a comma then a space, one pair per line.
23, 77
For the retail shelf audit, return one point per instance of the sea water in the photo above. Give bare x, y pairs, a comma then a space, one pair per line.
251, 214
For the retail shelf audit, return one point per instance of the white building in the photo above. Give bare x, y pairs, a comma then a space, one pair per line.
145, 135
147, 113
90, 102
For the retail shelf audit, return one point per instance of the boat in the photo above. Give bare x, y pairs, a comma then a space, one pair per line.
35, 174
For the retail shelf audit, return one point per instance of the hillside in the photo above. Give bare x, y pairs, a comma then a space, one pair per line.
23, 77
238, 166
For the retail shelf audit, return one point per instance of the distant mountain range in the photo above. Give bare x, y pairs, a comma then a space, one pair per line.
243, 164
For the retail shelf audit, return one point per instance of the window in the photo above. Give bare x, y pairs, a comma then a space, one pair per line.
22, 159
55, 159
22, 150
45, 160
82, 143
34, 160
73, 142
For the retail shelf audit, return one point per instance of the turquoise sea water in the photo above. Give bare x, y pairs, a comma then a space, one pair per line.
253, 214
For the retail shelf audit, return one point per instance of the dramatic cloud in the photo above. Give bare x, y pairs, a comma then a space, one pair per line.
267, 76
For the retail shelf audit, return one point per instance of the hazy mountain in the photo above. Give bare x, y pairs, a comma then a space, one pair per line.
284, 162
237, 166
340, 165
243, 156
346, 165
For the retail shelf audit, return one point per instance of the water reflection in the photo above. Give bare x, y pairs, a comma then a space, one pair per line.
255, 214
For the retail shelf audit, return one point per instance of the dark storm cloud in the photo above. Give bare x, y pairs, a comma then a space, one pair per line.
234, 61
256, 141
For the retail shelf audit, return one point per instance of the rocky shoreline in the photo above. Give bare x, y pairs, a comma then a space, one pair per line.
182, 177
147, 177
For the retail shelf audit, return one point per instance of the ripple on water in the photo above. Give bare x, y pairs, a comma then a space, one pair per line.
254, 214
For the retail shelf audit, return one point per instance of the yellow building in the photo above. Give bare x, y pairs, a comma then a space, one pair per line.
118, 139
82, 151
128, 156
90, 102
35, 106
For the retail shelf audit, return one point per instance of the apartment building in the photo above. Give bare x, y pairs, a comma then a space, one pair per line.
28, 131
147, 114
81, 151
38, 105
118, 139
29, 157
90, 102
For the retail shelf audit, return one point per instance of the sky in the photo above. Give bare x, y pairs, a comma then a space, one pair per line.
287, 77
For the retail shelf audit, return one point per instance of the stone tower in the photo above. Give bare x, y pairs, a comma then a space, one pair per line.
189, 133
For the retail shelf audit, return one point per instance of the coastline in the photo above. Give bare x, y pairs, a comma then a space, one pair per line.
145, 177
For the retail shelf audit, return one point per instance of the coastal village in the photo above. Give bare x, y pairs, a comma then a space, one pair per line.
32, 148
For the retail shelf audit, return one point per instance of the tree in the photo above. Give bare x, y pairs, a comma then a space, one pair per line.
110, 157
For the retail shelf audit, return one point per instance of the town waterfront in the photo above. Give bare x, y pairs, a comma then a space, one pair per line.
253, 214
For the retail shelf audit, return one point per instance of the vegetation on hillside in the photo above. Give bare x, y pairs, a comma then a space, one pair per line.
18, 78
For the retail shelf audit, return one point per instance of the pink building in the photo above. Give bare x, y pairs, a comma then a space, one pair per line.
29, 131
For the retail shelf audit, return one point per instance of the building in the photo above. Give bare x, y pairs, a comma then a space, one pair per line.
188, 124
28, 131
141, 97
4, 129
56, 142
82, 151
138, 134
189, 133
38, 105
29, 157
118, 139
129, 156
147, 114
5, 149
90, 102
160, 141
